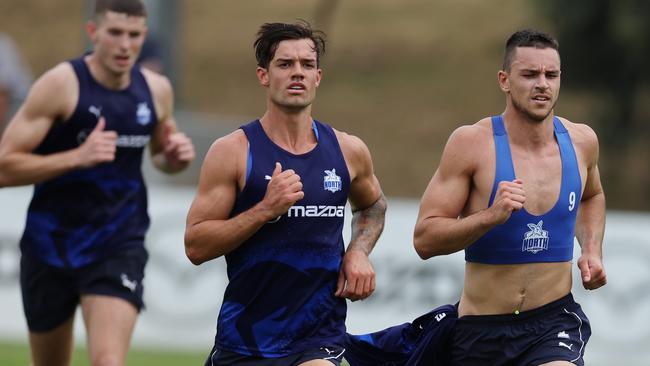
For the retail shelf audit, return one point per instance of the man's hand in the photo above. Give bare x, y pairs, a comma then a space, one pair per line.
284, 189
356, 277
592, 271
510, 197
178, 149
99, 147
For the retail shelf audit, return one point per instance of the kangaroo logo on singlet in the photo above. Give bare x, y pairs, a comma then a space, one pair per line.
331, 181
143, 114
536, 239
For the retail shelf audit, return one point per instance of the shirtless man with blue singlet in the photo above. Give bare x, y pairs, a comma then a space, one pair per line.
79, 138
271, 199
513, 191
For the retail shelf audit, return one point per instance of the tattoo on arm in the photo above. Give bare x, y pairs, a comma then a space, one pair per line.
367, 225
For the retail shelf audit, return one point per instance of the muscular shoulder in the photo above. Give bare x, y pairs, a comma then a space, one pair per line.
355, 152
467, 145
352, 146
161, 91
584, 139
55, 93
227, 155
60, 75
477, 133
159, 84
234, 142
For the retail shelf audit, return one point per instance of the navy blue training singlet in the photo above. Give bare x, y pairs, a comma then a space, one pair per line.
527, 238
280, 296
85, 215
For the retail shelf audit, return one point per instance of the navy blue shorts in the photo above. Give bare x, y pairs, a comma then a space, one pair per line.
557, 331
51, 294
218, 357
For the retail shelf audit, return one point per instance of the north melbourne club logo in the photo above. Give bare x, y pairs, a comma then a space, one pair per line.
331, 181
536, 239
143, 114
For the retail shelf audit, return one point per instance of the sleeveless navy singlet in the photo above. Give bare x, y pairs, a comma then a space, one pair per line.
527, 238
280, 296
87, 214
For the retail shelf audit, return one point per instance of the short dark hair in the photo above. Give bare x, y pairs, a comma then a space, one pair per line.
129, 7
271, 34
527, 38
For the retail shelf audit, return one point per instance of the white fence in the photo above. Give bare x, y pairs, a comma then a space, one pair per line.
183, 300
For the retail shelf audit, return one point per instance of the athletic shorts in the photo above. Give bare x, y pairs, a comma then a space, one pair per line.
557, 331
51, 294
332, 354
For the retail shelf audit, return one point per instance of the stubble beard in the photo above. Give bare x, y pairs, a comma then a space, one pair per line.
529, 114
292, 106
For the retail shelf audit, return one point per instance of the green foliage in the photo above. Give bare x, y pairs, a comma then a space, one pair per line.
605, 45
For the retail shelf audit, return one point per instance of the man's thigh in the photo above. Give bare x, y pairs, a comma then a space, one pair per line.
118, 276
52, 347
109, 325
50, 294
317, 363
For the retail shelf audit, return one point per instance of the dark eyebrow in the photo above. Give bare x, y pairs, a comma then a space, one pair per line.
292, 60
538, 70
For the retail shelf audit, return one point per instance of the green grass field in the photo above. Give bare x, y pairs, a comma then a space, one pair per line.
14, 354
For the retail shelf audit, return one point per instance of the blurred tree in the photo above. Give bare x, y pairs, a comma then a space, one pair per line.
605, 45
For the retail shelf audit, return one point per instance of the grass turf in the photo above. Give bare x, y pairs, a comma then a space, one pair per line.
16, 354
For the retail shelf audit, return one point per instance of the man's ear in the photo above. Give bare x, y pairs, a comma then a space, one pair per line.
91, 30
262, 76
319, 77
504, 81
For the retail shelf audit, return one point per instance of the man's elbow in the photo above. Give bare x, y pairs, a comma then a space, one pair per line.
427, 242
4, 178
193, 255
193, 251
423, 250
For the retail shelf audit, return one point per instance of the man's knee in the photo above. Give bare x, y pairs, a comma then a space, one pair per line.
106, 359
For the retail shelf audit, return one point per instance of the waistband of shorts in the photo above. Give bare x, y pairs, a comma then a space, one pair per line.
524, 315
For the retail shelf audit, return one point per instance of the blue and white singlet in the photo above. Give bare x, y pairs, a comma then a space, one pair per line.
85, 215
527, 238
280, 296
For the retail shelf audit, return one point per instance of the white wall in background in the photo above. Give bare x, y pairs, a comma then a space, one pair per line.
183, 300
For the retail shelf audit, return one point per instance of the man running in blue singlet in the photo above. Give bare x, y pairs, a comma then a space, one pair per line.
512, 191
79, 138
271, 199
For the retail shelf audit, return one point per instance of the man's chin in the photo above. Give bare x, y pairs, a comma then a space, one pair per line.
295, 106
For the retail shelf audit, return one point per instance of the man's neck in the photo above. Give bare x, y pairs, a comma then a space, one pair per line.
291, 131
523, 130
105, 77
